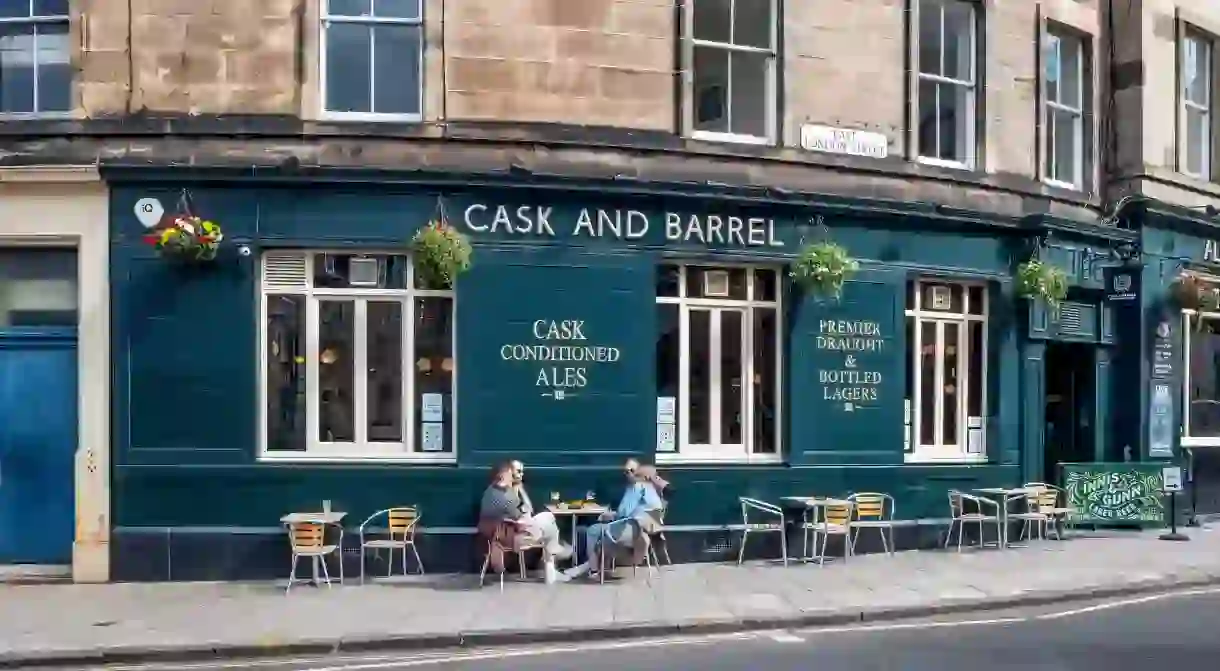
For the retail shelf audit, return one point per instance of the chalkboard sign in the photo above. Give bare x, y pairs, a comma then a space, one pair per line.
1115, 494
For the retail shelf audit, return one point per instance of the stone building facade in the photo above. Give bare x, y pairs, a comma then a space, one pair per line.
943, 141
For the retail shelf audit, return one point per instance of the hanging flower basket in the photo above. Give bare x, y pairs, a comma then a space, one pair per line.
1191, 293
1038, 279
441, 254
822, 268
186, 237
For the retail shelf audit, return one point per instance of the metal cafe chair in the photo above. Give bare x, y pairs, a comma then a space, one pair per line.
768, 511
401, 524
308, 540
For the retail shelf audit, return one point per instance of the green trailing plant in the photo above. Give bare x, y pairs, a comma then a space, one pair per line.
441, 254
822, 268
1038, 279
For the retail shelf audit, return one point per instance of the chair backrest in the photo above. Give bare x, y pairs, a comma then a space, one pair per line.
871, 505
1047, 500
305, 536
956, 507
402, 520
838, 512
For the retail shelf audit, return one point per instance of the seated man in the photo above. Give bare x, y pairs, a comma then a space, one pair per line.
634, 513
501, 503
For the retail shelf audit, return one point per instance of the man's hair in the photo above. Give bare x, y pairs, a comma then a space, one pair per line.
499, 468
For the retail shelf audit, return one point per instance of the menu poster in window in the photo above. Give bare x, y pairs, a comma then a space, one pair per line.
666, 437
666, 410
432, 407
1160, 412
432, 437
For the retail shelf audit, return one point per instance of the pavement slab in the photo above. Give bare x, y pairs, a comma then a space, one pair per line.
62, 623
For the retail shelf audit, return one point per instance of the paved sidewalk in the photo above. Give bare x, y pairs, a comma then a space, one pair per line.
78, 624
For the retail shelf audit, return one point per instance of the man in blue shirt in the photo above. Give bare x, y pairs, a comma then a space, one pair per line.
639, 501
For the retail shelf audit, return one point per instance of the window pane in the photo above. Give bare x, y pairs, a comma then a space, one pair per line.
765, 285
396, 9
336, 370
752, 23
17, 68
348, 67
1205, 380
286, 373
712, 20
1196, 71
955, 114
765, 393
341, 271
349, 7
929, 36
1198, 141
396, 69
384, 354
434, 369
668, 350
749, 99
668, 278
929, 122
978, 300
940, 297
974, 370
927, 383
950, 390
45, 7
700, 377
1066, 131
959, 41
1052, 65
1070, 66
54, 68
732, 384
38, 287
711, 89
909, 371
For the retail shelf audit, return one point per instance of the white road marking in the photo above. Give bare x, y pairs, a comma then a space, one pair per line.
911, 625
1126, 602
784, 636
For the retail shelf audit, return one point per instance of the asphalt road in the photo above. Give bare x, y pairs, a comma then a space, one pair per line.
1163, 631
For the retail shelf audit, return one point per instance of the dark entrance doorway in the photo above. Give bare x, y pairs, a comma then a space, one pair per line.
1070, 390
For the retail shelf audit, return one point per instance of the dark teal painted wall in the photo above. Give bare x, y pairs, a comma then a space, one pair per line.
185, 344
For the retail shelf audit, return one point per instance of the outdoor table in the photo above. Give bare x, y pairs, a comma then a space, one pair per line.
810, 504
1003, 494
575, 512
331, 519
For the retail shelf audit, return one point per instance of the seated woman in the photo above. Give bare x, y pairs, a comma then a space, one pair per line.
501, 505
638, 505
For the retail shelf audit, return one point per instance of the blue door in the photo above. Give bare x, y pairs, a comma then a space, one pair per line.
38, 405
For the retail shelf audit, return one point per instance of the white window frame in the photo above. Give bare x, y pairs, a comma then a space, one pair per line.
1206, 64
37, 20
940, 451
772, 77
359, 450
1188, 318
1050, 107
326, 20
970, 142
712, 452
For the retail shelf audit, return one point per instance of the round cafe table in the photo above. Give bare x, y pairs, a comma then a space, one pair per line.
574, 513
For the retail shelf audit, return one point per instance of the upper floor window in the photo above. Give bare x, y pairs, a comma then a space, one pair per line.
1064, 76
1195, 99
35, 57
946, 390
372, 55
732, 62
718, 359
357, 359
948, 82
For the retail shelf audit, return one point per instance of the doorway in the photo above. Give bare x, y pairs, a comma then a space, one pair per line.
38, 404
1068, 433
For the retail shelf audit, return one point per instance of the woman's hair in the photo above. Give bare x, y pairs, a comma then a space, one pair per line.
499, 469
648, 473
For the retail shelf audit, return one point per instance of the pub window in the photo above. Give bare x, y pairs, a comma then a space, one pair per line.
946, 391
1201, 378
718, 363
731, 48
357, 359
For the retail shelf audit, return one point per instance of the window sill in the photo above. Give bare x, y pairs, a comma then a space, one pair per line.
943, 163
1062, 185
1201, 442
709, 136
955, 458
36, 116
307, 458
734, 459
370, 117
